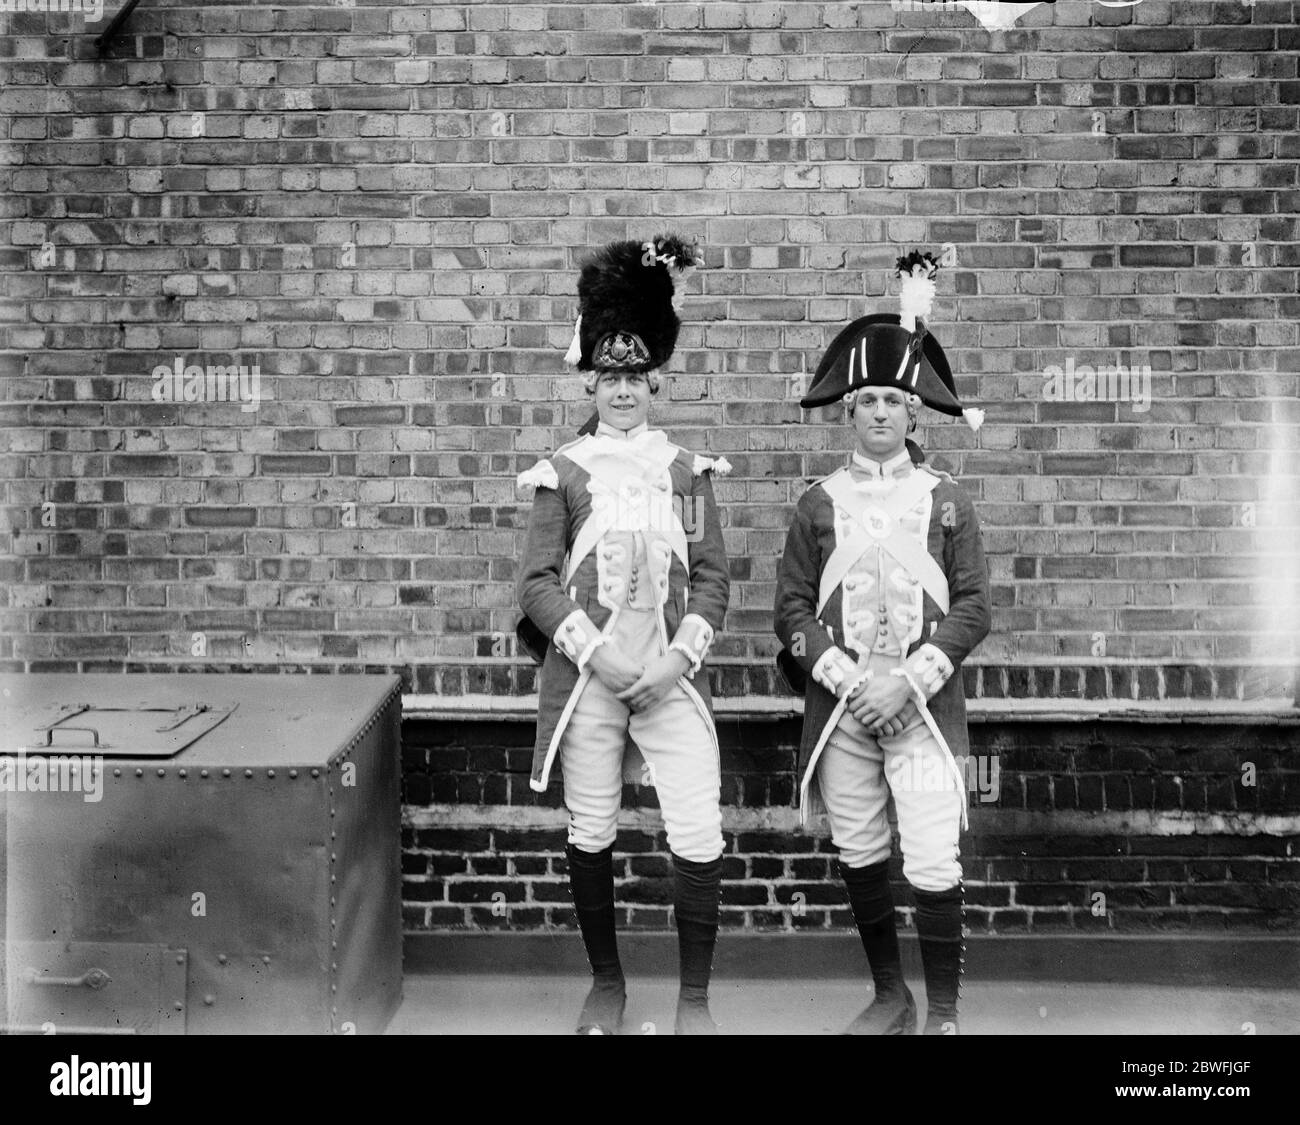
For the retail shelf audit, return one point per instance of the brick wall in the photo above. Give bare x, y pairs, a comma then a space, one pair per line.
380, 208
1092, 827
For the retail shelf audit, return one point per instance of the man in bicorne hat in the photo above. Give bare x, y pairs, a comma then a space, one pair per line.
882, 592
624, 578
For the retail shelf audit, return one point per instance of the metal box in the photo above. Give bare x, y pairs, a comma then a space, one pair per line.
200, 853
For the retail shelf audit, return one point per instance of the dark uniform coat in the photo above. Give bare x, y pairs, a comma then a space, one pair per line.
953, 541
689, 574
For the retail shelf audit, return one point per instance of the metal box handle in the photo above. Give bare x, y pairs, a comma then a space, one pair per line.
51, 731
91, 978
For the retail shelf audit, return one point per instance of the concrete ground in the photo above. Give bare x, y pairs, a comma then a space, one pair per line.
520, 1004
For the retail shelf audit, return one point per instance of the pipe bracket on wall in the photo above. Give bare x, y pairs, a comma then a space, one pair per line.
118, 20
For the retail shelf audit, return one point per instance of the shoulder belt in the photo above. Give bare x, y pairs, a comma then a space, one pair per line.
878, 525
603, 518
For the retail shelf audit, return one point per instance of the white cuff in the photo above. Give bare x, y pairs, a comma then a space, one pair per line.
929, 668
577, 637
833, 667
856, 682
693, 638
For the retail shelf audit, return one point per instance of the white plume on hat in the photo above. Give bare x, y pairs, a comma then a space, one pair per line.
916, 296
915, 300
681, 264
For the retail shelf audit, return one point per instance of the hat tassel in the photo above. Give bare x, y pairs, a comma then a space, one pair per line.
574, 355
973, 416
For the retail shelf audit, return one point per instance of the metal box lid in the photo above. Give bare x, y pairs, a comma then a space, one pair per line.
207, 719
125, 732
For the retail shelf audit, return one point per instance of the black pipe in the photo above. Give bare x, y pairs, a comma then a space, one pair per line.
118, 21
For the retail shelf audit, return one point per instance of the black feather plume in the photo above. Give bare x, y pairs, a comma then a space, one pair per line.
675, 251
917, 258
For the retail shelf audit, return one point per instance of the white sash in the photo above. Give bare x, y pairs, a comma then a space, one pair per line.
878, 524
654, 461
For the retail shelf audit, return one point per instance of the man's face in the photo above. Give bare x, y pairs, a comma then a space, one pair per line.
622, 400
880, 420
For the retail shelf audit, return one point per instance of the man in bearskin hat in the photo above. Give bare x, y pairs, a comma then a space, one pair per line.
882, 592
624, 578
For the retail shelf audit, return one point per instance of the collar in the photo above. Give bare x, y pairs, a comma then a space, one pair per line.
898, 466
603, 429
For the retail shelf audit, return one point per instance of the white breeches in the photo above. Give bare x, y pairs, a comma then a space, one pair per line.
857, 772
675, 740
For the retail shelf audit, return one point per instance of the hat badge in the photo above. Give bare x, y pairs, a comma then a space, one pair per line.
619, 350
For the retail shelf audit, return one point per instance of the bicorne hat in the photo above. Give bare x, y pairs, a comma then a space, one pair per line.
894, 350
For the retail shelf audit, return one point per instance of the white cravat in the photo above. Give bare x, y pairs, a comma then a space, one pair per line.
639, 445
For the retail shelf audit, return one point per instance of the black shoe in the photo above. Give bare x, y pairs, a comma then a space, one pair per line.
693, 1017
892, 1013
602, 1014
941, 1025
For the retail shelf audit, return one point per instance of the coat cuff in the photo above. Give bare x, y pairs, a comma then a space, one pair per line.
693, 637
833, 669
930, 669
577, 637
541, 475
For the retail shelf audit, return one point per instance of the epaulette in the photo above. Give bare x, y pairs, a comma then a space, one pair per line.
925, 466
822, 480
541, 475
720, 466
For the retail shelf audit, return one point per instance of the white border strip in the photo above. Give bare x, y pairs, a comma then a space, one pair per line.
998, 822
1279, 709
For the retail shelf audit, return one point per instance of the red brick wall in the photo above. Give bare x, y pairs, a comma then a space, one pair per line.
381, 207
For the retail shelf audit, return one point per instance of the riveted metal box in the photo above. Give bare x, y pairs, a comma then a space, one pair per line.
200, 853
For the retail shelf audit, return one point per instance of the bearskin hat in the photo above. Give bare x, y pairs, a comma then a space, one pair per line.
628, 293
